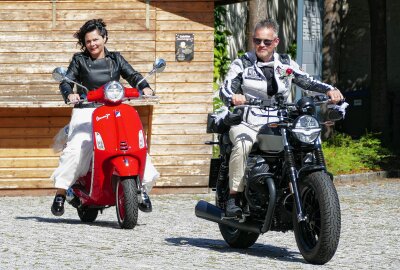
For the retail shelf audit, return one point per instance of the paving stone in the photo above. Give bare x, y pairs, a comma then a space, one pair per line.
172, 237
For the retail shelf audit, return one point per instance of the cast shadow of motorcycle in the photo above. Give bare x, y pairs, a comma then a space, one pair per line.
257, 250
287, 185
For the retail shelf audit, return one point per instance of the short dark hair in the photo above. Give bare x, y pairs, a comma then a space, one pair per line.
267, 23
89, 26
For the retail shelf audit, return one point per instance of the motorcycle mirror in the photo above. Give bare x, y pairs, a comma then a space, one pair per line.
59, 74
159, 65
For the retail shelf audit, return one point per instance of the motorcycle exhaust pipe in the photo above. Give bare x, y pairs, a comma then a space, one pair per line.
213, 213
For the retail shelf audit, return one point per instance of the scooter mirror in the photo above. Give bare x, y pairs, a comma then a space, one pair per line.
159, 65
59, 74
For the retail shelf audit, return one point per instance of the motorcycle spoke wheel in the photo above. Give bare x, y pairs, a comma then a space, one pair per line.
318, 237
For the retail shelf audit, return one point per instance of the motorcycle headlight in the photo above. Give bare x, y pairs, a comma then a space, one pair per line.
114, 91
306, 129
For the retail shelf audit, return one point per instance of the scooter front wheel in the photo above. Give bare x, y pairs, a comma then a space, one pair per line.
127, 203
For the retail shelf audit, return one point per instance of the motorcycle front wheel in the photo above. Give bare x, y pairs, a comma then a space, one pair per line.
318, 237
126, 197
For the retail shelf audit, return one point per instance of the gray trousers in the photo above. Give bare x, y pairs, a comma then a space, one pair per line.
243, 137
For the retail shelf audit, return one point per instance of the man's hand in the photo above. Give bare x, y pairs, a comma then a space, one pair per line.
335, 95
74, 98
238, 99
148, 91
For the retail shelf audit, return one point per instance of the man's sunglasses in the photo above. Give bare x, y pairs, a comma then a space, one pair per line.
267, 42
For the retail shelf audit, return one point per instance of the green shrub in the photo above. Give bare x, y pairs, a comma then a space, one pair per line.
343, 155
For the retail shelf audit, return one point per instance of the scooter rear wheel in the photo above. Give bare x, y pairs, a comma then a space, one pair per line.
87, 214
126, 197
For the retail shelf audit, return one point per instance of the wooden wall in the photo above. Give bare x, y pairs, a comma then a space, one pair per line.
36, 36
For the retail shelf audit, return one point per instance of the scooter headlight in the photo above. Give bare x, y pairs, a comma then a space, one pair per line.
306, 129
114, 91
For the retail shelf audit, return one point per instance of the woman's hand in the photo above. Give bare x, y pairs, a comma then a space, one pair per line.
238, 99
335, 95
74, 98
148, 91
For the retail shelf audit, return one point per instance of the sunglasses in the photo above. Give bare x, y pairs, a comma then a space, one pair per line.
267, 42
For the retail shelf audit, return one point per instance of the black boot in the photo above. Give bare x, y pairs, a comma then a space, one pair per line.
145, 205
58, 205
233, 207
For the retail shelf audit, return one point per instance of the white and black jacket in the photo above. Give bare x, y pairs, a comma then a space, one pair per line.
246, 77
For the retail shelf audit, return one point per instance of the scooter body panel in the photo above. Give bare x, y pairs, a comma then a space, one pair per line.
119, 150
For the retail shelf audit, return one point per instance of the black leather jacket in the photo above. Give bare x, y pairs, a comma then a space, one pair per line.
95, 73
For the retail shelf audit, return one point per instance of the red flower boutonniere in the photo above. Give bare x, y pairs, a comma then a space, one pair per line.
285, 73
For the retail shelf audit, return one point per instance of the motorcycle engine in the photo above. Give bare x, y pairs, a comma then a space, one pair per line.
256, 190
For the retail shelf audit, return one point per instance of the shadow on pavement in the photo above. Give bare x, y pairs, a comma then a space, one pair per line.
110, 224
258, 250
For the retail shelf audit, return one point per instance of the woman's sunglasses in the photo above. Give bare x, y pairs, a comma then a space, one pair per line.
267, 42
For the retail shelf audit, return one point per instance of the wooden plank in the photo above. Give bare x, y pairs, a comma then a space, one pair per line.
183, 108
182, 119
26, 5
48, 69
184, 87
189, 67
172, 139
46, 26
187, 160
183, 6
108, 5
181, 170
68, 46
31, 112
28, 162
181, 129
188, 16
29, 183
107, 15
178, 26
198, 56
186, 98
37, 122
67, 36
182, 181
65, 57
47, 132
25, 172
202, 77
173, 150
9, 152
26, 142
25, 15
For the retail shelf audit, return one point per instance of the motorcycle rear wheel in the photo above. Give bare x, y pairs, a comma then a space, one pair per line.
236, 238
87, 214
126, 197
318, 237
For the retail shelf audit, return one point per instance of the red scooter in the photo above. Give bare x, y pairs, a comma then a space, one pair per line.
119, 154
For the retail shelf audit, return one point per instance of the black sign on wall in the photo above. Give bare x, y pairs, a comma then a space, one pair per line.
184, 47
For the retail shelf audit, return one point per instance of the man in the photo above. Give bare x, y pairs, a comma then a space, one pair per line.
261, 73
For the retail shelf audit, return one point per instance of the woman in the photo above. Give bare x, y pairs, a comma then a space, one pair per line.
93, 67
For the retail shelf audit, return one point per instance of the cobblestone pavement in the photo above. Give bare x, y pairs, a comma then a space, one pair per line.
173, 238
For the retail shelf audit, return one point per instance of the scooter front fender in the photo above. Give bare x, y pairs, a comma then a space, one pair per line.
125, 166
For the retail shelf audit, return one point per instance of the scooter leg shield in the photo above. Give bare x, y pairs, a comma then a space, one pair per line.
125, 166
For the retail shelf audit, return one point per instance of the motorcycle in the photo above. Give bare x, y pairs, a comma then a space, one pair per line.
119, 153
287, 184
